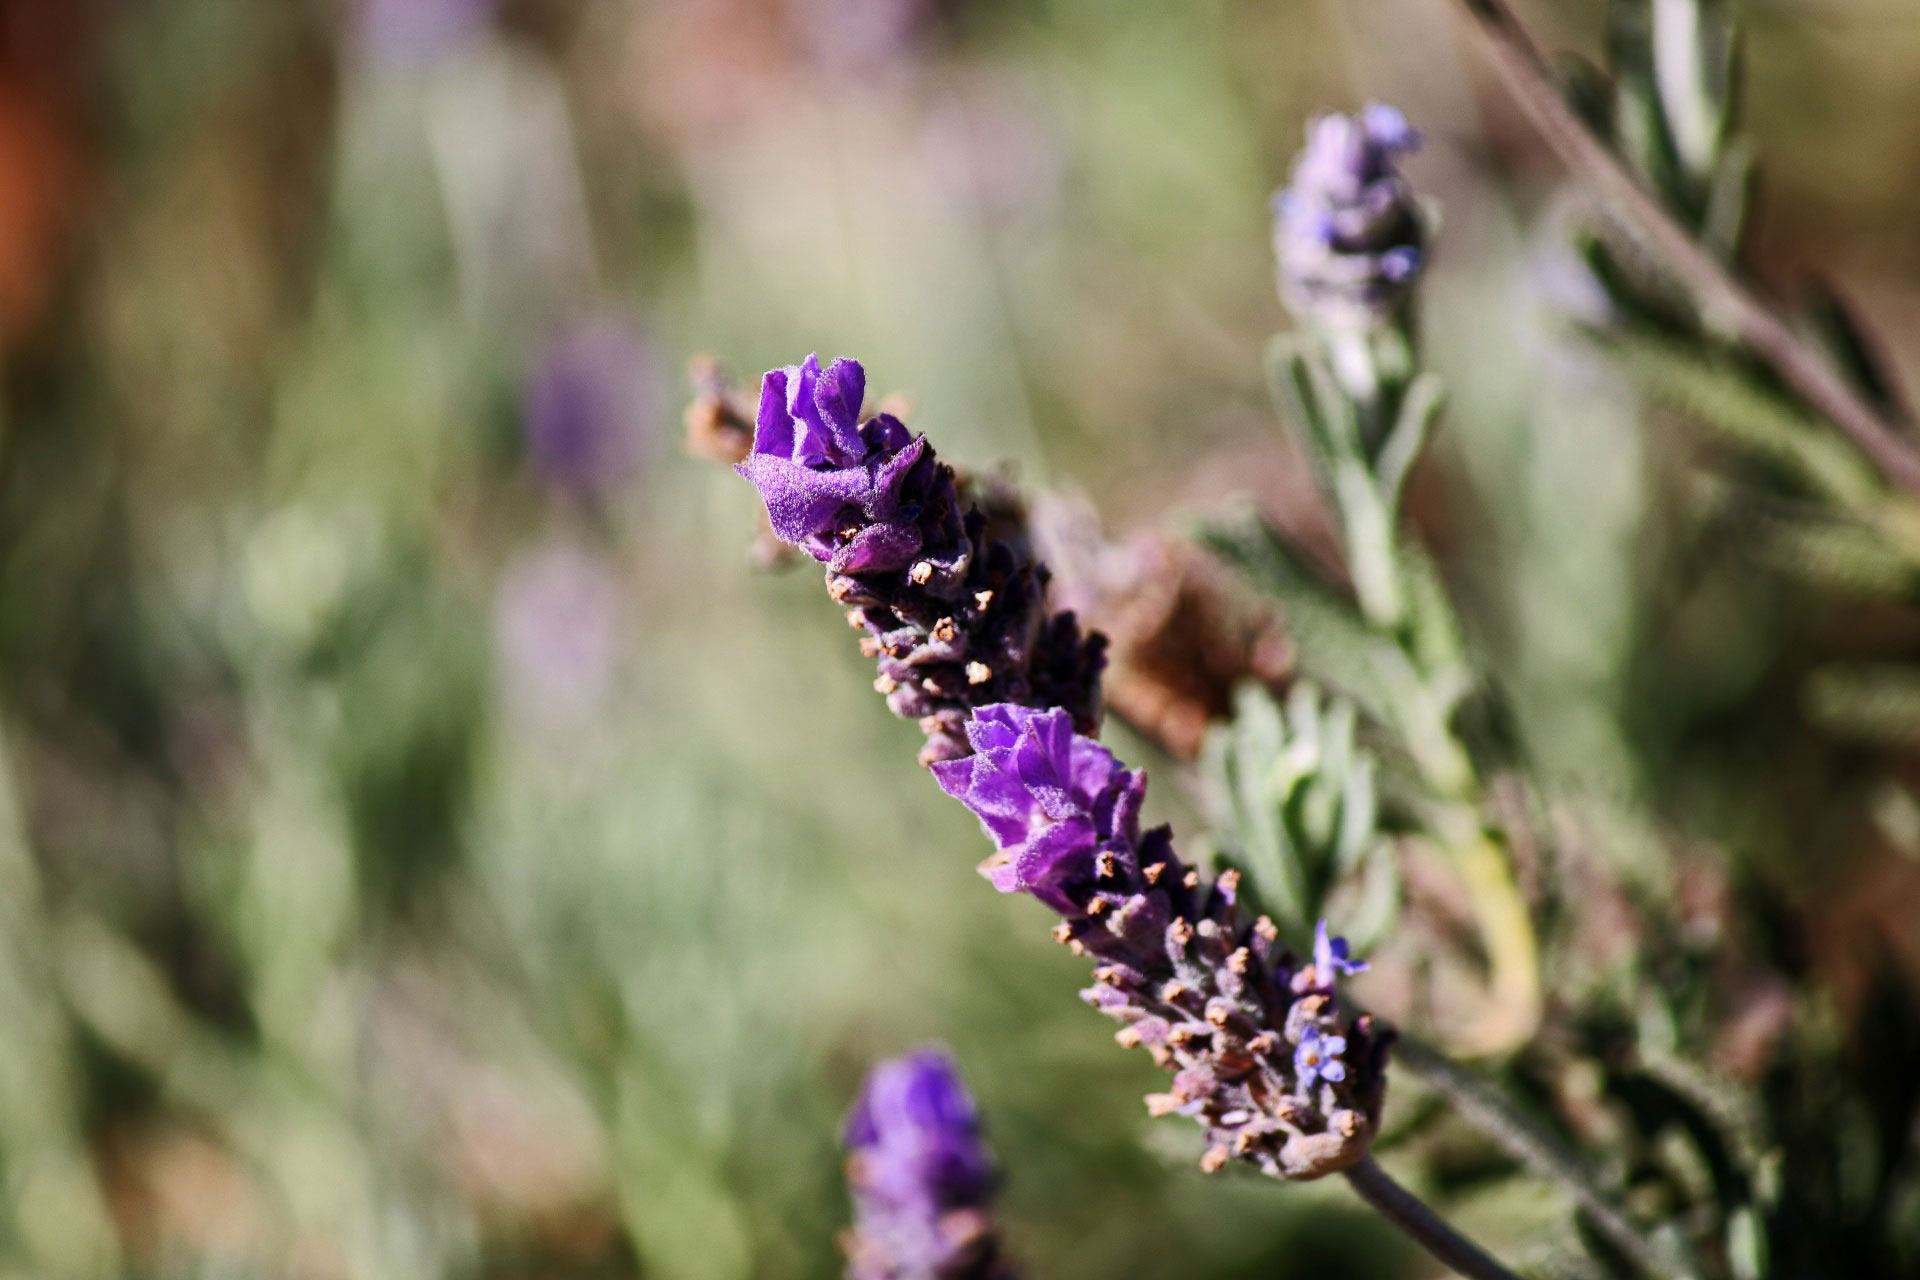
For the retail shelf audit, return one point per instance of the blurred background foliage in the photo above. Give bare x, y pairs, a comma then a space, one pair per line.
425, 852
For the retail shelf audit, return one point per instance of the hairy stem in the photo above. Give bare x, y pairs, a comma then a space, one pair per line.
1539, 1151
1724, 301
1411, 1214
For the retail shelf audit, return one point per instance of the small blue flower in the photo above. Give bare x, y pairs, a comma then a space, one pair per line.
1331, 957
1318, 1058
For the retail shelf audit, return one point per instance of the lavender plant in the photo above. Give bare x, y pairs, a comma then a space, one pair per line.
1349, 378
1282, 1075
1350, 240
921, 1177
1265, 1058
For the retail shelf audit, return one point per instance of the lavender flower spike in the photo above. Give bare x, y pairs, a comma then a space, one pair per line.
1347, 233
955, 615
1267, 1062
921, 1178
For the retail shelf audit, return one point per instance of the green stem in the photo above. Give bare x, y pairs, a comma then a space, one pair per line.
1506, 931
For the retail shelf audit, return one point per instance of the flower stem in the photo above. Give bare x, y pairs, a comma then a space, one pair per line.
1541, 1152
1411, 1214
1515, 1001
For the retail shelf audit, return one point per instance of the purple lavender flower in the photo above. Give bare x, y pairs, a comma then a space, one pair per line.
1331, 958
1347, 233
864, 39
920, 1175
1210, 997
587, 409
1318, 1058
952, 603
812, 460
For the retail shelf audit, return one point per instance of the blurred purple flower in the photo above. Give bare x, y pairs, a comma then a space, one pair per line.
588, 411
864, 37
1211, 997
406, 34
954, 618
920, 1175
557, 634
1347, 232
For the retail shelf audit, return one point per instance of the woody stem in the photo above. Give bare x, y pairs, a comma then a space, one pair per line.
1411, 1214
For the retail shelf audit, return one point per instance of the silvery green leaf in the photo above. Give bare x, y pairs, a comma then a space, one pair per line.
1723, 221
1830, 318
1724, 399
1878, 703
1838, 554
1262, 787
1434, 627
1419, 406
1376, 908
1746, 1244
1691, 51
1359, 818
1307, 396
1334, 643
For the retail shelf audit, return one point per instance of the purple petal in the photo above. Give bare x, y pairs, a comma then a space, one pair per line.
887, 478
801, 502
838, 395
1000, 873
1058, 854
1387, 128
884, 433
996, 725
999, 801
773, 433
815, 444
1091, 767
1041, 761
954, 776
878, 548
1401, 264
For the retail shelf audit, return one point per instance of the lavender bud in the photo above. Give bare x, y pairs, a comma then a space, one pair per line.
1264, 1057
955, 617
921, 1178
1347, 233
